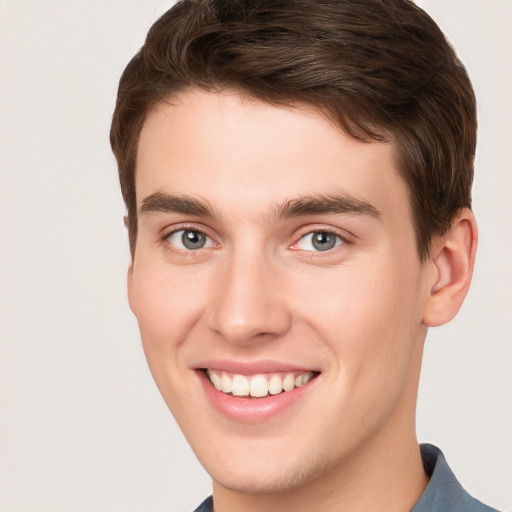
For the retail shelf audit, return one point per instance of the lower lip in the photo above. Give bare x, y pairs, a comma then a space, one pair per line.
252, 410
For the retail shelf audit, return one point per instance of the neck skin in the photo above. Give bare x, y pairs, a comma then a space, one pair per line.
385, 474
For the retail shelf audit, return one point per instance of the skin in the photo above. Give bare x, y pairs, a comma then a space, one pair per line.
259, 290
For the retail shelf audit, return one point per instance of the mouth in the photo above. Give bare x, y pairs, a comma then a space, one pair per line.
257, 386
257, 391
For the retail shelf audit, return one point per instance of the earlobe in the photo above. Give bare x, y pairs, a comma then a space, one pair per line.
453, 257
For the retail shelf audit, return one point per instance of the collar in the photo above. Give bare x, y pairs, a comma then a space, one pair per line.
444, 492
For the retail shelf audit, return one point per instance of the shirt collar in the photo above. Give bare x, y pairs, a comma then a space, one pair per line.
444, 492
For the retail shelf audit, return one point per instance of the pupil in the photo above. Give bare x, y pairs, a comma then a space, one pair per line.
324, 241
193, 239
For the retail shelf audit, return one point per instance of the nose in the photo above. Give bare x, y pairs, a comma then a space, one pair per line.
248, 302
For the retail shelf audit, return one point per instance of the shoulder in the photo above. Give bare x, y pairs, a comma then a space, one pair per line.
444, 492
206, 506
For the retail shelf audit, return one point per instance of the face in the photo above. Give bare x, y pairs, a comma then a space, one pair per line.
277, 287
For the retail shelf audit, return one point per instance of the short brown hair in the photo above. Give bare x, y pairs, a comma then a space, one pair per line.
380, 69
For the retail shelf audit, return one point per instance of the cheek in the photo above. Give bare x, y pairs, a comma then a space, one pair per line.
369, 319
168, 304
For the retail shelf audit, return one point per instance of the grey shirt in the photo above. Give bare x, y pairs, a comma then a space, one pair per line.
443, 493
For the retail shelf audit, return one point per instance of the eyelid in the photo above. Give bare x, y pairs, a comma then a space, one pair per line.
345, 237
167, 232
175, 240
309, 238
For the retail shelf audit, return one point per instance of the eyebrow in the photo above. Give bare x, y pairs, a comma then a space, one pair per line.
321, 204
314, 204
187, 205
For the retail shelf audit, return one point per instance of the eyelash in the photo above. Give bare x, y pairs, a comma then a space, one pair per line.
341, 240
166, 240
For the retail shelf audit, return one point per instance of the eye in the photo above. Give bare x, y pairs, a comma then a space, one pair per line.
189, 240
319, 241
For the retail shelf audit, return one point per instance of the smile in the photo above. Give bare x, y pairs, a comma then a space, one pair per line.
257, 386
256, 392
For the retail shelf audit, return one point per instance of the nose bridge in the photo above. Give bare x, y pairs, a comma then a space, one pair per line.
247, 303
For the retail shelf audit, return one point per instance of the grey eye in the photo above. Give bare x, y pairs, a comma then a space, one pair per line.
189, 240
319, 241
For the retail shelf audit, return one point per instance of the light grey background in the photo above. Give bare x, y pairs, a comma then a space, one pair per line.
82, 426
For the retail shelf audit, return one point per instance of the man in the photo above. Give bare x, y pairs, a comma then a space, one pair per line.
297, 177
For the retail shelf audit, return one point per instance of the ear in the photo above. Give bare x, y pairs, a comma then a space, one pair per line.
130, 286
453, 258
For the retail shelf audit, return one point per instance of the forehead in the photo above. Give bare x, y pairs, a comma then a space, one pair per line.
216, 144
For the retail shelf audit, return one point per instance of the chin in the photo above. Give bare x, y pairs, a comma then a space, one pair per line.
273, 480
265, 470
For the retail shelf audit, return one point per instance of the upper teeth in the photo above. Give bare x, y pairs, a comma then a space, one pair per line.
257, 385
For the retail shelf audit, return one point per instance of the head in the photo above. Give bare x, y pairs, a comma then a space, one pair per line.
297, 177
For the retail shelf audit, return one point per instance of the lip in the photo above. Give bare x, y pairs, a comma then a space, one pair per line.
251, 368
253, 410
